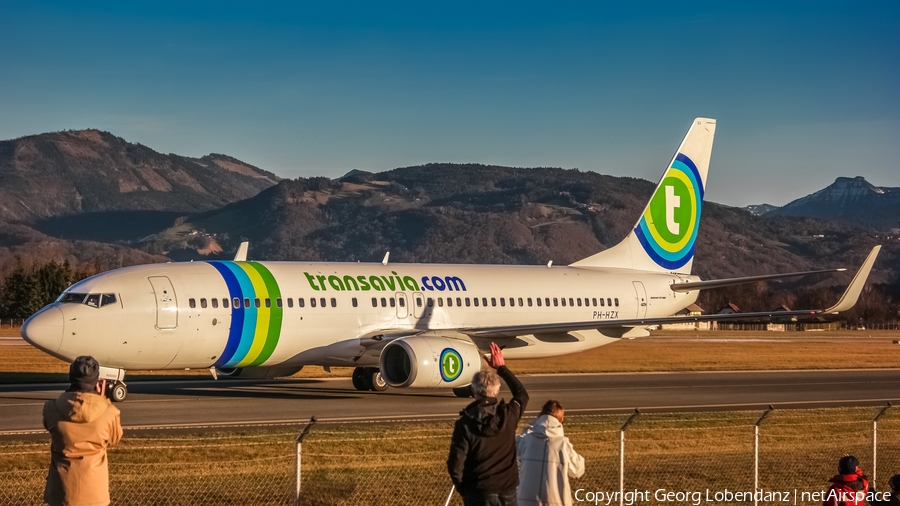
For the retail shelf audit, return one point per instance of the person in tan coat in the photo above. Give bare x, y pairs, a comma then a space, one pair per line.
82, 423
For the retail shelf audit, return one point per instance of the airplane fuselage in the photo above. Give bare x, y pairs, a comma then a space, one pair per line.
261, 314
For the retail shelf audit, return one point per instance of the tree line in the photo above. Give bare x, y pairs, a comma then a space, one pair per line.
26, 289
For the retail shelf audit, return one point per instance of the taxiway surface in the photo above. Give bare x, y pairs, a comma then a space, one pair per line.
207, 404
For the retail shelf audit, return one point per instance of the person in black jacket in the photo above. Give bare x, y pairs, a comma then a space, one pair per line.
482, 461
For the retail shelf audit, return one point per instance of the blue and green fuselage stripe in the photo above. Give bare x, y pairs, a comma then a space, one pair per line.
254, 331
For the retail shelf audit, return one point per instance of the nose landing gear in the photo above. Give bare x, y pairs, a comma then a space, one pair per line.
368, 378
116, 389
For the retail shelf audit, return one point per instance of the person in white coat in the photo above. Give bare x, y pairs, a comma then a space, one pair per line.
547, 460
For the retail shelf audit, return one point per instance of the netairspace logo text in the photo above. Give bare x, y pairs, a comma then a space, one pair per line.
698, 497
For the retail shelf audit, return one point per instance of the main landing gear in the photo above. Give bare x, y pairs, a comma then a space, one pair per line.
463, 392
116, 389
368, 378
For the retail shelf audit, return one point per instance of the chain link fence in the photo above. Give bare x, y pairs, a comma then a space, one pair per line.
11, 323
404, 463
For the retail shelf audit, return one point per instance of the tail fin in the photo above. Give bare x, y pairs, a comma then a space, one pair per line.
663, 238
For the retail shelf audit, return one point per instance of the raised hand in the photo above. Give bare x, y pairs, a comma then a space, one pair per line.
496, 360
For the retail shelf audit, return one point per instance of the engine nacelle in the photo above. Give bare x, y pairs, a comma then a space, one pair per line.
257, 372
429, 362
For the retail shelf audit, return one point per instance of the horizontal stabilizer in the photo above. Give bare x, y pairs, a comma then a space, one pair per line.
719, 283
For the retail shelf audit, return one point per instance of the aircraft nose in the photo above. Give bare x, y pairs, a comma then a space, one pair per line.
44, 329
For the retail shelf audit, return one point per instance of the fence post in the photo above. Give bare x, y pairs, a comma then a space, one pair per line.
756, 454
622, 456
875, 442
299, 442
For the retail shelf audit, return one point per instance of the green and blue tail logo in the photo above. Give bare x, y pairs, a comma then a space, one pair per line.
668, 229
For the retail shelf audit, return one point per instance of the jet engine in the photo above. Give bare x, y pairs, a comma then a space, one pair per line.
257, 372
429, 362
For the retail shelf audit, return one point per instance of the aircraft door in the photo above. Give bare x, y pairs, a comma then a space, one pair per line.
641, 296
418, 304
166, 303
402, 307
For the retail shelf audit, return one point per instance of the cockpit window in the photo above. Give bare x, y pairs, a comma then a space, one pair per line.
71, 298
92, 299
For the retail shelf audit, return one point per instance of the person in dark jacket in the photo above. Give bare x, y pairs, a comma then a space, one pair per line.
893, 498
850, 486
482, 461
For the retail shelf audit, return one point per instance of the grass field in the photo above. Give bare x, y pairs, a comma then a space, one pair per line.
663, 351
404, 464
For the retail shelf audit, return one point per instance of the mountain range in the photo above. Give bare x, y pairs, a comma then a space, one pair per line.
94, 199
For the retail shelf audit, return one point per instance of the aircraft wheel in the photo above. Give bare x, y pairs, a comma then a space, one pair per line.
463, 392
377, 380
359, 379
118, 392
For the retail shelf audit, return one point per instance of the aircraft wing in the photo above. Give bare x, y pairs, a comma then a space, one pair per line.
847, 301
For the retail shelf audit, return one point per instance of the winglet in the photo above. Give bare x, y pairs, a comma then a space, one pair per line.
241, 255
851, 294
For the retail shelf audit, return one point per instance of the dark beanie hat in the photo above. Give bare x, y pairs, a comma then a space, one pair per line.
84, 373
848, 465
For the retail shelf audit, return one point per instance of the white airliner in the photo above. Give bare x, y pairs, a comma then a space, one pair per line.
400, 325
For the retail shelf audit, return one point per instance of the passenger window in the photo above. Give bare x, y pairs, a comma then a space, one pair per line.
555, 301
563, 302
278, 302
547, 301
601, 302
587, 302
539, 301
301, 302
502, 302
268, 302
609, 302
353, 301
237, 302
192, 303
579, 301
430, 302
458, 301
468, 302
476, 301
484, 301
617, 302
402, 302
449, 301
257, 303
383, 302
419, 301
374, 302
312, 302
203, 303
594, 301
440, 302
215, 303
333, 302
107, 299
571, 302
225, 303
322, 302
393, 302
290, 302
520, 302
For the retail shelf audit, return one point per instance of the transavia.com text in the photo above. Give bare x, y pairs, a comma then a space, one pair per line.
698, 497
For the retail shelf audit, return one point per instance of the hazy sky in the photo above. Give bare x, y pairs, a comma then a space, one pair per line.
803, 91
